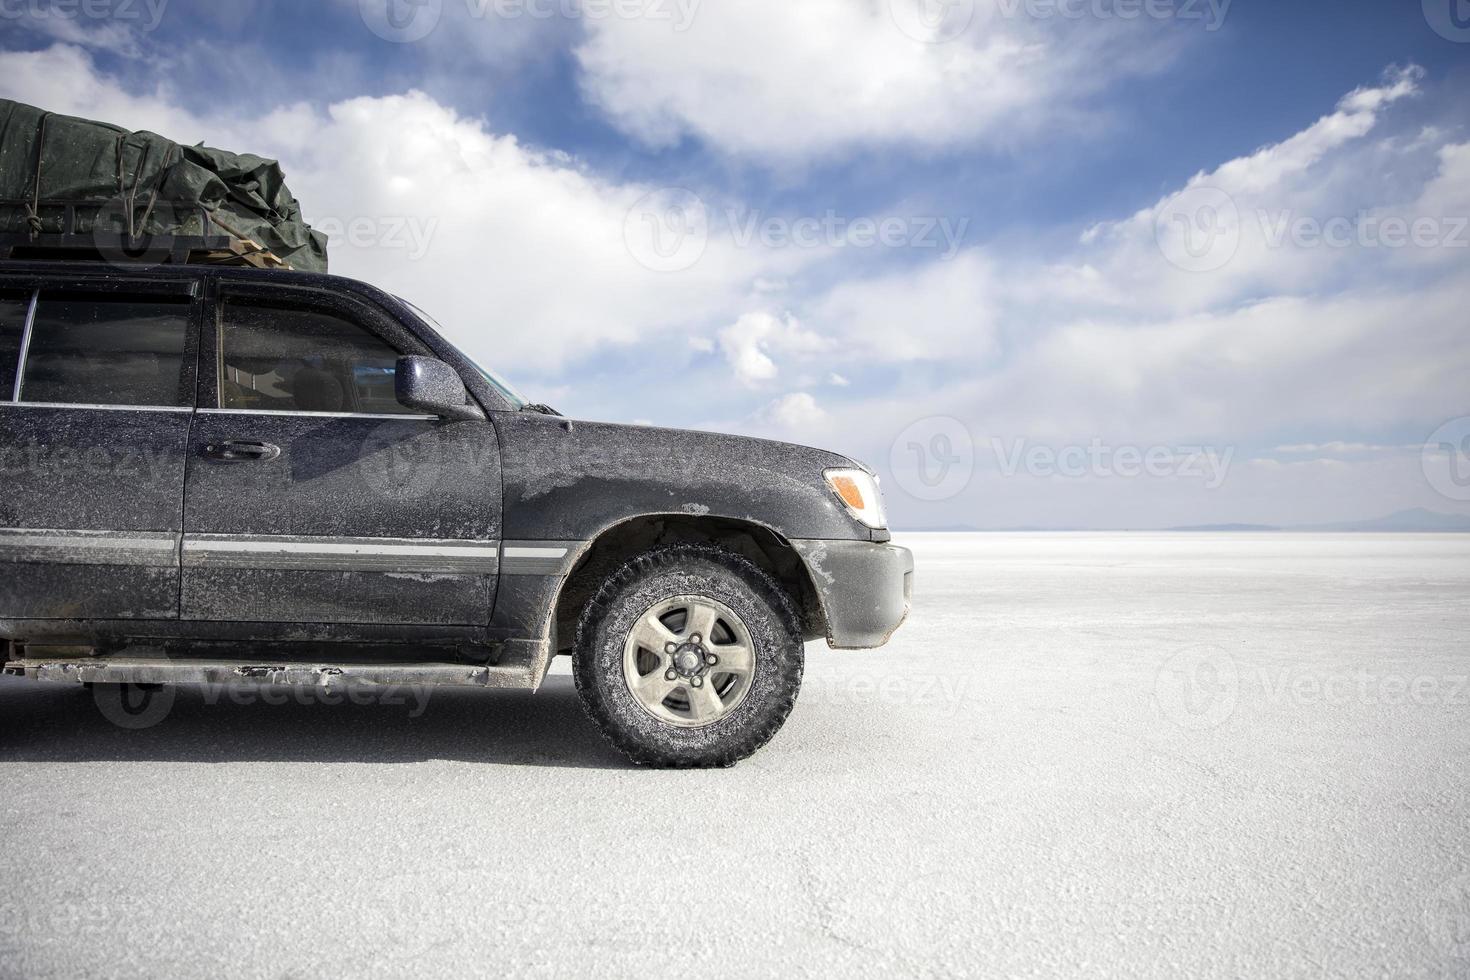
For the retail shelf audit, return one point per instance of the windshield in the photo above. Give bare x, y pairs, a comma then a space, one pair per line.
516, 399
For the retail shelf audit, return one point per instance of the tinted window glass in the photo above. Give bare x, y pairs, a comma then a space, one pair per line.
297, 360
107, 351
13, 307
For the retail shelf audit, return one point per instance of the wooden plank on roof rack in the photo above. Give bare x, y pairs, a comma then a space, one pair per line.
243, 251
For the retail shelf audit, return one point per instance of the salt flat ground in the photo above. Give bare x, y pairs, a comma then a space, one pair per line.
1112, 755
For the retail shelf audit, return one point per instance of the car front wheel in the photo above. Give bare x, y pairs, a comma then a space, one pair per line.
688, 656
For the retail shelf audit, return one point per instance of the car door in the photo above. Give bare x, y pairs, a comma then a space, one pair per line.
311, 495
98, 384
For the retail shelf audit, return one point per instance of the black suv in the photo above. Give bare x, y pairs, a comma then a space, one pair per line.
215, 473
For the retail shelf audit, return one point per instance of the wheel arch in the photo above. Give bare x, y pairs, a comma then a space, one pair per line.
613, 546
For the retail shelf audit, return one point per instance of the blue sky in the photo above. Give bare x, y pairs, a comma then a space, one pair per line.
1029, 326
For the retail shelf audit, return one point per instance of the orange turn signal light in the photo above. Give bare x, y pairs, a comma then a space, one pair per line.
849, 491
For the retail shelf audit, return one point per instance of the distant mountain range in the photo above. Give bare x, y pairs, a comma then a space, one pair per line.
1410, 521
1413, 521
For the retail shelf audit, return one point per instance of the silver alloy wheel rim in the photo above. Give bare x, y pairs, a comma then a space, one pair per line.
695, 674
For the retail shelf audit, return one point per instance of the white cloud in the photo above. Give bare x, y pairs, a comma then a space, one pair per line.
520, 253
776, 80
1448, 194
1244, 207
749, 343
1109, 340
69, 24
1100, 337
932, 312
796, 412
1339, 448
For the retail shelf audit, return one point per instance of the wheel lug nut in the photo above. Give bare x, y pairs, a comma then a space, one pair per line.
697, 681
711, 660
670, 674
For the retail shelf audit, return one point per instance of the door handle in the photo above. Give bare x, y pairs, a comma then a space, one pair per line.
241, 452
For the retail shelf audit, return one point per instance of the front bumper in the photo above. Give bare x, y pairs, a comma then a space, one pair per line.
865, 589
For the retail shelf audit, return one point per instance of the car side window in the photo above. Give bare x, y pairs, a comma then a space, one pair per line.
107, 350
13, 309
278, 358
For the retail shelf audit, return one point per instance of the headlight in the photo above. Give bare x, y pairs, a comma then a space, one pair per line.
858, 492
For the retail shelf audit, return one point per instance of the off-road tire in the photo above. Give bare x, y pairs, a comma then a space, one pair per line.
688, 570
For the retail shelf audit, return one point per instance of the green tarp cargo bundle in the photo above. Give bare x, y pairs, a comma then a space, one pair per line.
66, 182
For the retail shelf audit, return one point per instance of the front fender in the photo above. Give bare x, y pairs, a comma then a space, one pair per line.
567, 481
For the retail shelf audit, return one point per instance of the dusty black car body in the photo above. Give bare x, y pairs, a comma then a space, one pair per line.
191, 541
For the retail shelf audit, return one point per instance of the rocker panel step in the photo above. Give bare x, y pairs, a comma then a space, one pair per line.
139, 670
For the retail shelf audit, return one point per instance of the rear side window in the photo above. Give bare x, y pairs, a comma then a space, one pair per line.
300, 360
111, 350
13, 307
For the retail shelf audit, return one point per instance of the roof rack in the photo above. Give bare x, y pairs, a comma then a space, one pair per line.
59, 238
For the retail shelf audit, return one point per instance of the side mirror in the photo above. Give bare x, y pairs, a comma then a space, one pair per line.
430, 385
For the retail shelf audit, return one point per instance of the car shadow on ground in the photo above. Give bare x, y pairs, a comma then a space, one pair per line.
48, 722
